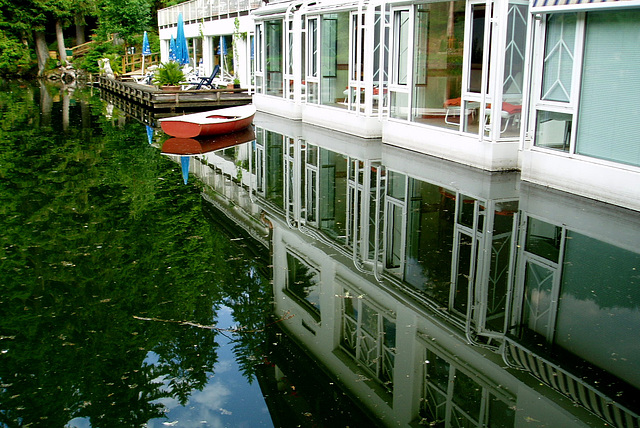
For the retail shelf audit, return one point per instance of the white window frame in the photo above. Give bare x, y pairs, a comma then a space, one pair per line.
259, 65
539, 104
394, 86
312, 57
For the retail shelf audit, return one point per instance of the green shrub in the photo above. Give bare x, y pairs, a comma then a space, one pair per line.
168, 74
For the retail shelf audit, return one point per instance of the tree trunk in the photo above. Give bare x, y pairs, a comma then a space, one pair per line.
80, 26
62, 50
42, 52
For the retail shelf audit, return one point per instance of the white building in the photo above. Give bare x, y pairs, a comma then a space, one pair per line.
433, 76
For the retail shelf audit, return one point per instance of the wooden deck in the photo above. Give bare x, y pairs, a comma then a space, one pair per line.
155, 99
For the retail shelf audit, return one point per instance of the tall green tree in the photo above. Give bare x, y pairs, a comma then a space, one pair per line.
124, 18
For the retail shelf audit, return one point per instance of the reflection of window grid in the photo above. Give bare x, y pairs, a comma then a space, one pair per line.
540, 277
368, 335
303, 283
259, 161
537, 303
311, 180
499, 268
452, 398
469, 237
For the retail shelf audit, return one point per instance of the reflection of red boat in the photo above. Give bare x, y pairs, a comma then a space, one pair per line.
192, 146
207, 123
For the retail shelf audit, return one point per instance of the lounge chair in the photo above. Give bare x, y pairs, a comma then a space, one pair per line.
207, 81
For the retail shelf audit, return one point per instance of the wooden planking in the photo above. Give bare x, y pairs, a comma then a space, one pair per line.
156, 99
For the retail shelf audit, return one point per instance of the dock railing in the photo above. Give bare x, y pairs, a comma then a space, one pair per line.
132, 63
197, 10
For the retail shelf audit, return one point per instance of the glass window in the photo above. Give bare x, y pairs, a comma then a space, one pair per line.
608, 126
513, 78
476, 60
402, 48
437, 61
274, 58
558, 57
399, 103
334, 57
553, 130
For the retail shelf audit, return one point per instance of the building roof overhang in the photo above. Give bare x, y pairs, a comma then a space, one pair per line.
558, 6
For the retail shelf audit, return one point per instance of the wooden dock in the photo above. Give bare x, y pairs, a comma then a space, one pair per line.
156, 99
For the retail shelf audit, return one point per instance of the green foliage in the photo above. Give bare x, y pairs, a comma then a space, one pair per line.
100, 243
98, 51
15, 56
168, 74
126, 18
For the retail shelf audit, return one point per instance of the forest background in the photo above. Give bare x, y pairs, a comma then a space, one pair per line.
31, 29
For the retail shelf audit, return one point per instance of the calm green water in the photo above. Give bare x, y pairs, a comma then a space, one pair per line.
104, 253
305, 278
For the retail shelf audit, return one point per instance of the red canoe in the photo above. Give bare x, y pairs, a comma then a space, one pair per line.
192, 146
214, 122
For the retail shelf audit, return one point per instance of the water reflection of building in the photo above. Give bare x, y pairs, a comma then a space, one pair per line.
441, 294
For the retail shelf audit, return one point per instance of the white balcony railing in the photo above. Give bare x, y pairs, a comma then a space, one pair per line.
197, 10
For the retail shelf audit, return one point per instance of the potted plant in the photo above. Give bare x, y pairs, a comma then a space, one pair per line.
236, 83
168, 76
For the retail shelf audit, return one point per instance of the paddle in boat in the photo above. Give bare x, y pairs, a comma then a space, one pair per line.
214, 122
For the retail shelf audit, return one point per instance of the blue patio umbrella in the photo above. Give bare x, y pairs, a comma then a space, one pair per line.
146, 49
172, 49
184, 160
182, 48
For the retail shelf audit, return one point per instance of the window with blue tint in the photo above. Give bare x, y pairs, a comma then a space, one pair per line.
608, 126
274, 57
558, 57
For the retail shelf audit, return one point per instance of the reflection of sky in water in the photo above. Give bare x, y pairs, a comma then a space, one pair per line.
226, 401
604, 336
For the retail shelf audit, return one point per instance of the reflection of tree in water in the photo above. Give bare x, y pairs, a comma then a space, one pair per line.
302, 281
98, 229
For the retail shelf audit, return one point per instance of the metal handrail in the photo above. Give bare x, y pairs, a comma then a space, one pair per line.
197, 10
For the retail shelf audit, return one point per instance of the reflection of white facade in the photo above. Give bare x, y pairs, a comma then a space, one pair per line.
435, 292
451, 250
399, 361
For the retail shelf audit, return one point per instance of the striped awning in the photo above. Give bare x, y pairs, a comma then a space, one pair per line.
575, 5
